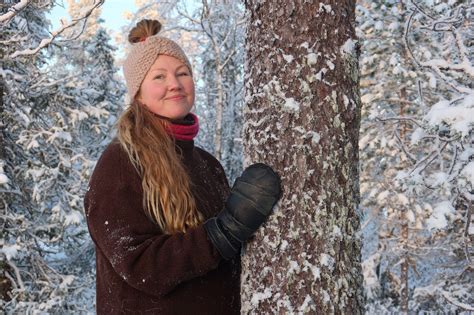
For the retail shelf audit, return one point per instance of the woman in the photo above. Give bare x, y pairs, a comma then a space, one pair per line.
167, 228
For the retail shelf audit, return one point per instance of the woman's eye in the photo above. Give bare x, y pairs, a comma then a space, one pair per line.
183, 73
159, 77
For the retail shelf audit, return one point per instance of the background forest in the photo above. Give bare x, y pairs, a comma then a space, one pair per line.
62, 91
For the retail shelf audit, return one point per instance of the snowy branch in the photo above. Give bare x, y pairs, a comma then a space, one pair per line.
19, 282
12, 11
86, 12
451, 300
440, 65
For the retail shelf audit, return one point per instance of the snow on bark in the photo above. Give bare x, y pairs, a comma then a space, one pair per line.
302, 117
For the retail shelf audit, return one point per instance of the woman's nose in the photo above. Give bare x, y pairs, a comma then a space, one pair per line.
174, 82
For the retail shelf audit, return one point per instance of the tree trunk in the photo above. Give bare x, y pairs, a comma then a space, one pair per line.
219, 110
302, 117
404, 219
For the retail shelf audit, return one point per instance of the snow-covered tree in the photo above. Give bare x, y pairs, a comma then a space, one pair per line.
58, 116
416, 148
302, 116
17, 246
221, 67
86, 28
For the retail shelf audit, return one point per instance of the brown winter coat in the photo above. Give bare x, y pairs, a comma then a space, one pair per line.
139, 269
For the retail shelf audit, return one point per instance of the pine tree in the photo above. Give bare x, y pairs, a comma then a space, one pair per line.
58, 120
415, 155
302, 117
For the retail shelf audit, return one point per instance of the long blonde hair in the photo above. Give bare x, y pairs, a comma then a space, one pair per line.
167, 197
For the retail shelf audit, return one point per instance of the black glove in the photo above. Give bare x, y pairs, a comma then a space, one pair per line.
249, 204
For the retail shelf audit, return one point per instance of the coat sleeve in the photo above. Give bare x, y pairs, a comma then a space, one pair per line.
145, 258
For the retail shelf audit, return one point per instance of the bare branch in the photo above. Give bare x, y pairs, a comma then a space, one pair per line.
399, 118
187, 16
421, 10
405, 38
404, 149
229, 57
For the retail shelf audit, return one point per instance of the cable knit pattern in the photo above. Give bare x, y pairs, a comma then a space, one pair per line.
142, 56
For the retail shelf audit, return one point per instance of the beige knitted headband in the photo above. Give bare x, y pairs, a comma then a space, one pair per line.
142, 56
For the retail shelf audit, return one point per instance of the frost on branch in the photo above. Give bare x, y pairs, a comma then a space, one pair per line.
416, 151
58, 118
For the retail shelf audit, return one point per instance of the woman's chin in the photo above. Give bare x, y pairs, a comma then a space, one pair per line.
180, 115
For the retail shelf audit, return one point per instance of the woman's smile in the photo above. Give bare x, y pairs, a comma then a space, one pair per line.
175, 98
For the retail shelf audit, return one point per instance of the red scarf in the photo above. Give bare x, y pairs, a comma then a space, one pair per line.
184, 129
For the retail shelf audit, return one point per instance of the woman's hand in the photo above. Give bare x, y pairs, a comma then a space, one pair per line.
249, 204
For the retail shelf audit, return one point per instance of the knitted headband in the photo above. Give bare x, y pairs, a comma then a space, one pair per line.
142, 56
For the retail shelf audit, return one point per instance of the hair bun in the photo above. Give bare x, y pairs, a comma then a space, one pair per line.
144, 29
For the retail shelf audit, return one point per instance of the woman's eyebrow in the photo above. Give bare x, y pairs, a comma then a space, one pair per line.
166, 70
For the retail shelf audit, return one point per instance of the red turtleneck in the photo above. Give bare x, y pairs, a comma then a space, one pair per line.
184, 129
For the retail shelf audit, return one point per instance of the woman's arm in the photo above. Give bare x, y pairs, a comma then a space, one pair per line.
145, 258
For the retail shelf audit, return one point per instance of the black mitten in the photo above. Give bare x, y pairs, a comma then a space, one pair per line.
249, 204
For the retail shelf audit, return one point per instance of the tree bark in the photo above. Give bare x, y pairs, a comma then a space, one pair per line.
302, 117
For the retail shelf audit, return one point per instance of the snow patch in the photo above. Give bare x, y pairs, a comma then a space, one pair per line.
67, 281
314, 270
437, 179
417, 135
330, 65
378, 25
346, 100
72, 218
325, 8
283, 245
33, 144
336, 231
3, 179
315, 137
291, 104
327, 261
438, 219
288, 58
468, 172
382, 196
10, 251
460, 117
273, 90
294, 267
348, 48
305, 307
403, 199
326, 297
260, 296
320, 74
312, 58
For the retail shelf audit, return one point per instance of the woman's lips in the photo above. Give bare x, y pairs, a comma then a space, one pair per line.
175, 98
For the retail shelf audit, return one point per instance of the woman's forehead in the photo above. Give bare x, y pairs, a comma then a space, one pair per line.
164, 62
166, 69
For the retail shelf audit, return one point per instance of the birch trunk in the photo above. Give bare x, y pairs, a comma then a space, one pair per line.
302, 117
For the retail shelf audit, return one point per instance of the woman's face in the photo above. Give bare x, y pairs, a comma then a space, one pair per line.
168, 88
